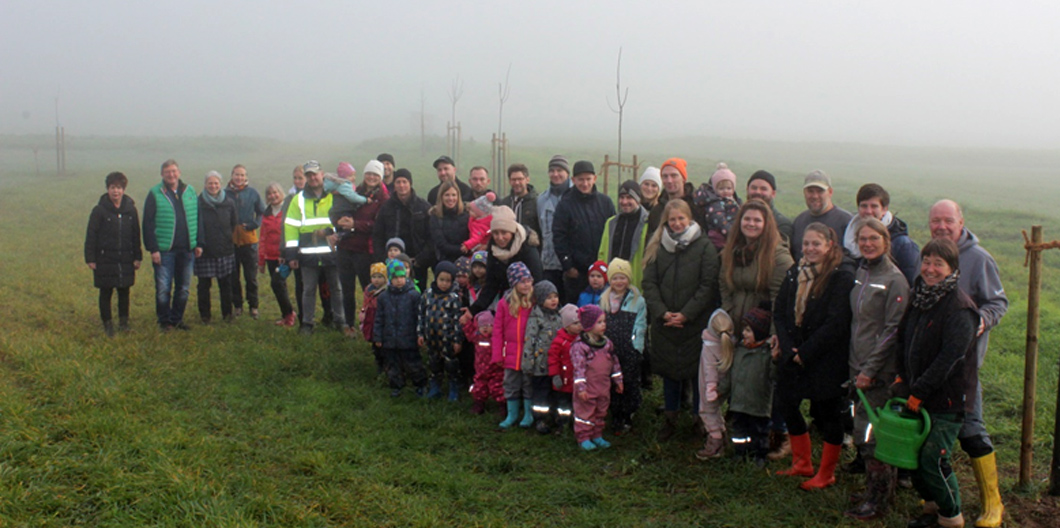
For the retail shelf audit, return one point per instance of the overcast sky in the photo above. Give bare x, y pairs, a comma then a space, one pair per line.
971, 72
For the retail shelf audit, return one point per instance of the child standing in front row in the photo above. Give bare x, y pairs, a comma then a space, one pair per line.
439, 329
595, 368
597, 283
395, 330
715, 359
368, 309
488, 383
509, 339
540, 331
751, 400
559, 364
627, 324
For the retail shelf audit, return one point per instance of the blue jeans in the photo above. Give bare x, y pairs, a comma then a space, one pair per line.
172, 282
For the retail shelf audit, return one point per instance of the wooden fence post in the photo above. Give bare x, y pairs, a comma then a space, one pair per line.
1030, 368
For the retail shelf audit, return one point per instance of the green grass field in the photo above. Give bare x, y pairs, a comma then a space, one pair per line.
250, 425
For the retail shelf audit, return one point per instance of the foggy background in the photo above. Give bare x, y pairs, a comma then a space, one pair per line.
950, 73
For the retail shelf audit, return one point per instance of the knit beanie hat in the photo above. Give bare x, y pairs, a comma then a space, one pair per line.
560, 161
403, 173
385, 157
503, 219
679, 164
588, 315
620, 267
651, 174
345, 170
765, 176
395, 242
374, 167
758, 319
479, 257
463, 266
484, 318
543, 289
445, 267
568, 315
600, 266
722, 174
377, 269
396, 268
518, 271
631, 188
483, 205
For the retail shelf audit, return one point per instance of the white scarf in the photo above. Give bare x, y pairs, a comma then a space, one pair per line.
504, 255
680, 241
850, 236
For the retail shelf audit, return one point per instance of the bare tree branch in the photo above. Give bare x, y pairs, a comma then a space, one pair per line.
503, 92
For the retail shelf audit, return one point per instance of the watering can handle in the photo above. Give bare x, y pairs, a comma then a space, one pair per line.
923, 413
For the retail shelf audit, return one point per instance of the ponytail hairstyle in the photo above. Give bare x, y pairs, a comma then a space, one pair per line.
831, 260
721, 325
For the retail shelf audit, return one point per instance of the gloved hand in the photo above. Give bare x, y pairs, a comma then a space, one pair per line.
557, 381
913, 403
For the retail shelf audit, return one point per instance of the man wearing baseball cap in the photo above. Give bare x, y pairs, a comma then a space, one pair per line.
446, 170
817, 189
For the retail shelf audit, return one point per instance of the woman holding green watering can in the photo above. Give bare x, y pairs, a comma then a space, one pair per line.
878, 301
936, 368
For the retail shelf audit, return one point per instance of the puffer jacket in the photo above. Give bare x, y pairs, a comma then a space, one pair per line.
112, 242
823, 339
448, 232
878, 301
937, 358
509, 336
687, 282
216, 225
744, 294
559, 362
439, 315
396, 317
271, 240
541, 330
578, 226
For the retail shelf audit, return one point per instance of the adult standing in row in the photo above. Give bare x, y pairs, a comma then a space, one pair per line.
445, 167
559, 183
754, 262
626, 234
523, 198
650, 188
354, 251
448, 224
507, 245
874, 202
405, 216
674, 175
170, 231
812, 318
112, 249
298, 184
763, 185
817, 190
270, 248
680, 286
981, 280
577, 228
478, 179
877, 302
215, 252
308, 226
249, 209
388, 170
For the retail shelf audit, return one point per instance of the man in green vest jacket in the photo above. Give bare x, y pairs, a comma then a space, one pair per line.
170, 231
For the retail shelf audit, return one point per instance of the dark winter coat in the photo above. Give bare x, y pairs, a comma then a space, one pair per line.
216, 225
904, 249
112, 242
497, 272
364, 219
525, 209
655, 215
465, 192
408, 221
448, 232
687, 282
578, 227
396, 317
823, 339
938, 354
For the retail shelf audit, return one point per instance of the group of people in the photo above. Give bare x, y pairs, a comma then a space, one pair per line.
561, 307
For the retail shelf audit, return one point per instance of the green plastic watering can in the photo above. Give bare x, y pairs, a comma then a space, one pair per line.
899, 433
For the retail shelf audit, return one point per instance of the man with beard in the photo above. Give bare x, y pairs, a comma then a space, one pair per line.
817, 190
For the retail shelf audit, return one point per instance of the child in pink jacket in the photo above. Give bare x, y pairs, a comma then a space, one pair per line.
509, 339
488, 383
595, 369
478, 222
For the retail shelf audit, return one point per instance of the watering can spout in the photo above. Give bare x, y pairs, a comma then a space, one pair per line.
874, 418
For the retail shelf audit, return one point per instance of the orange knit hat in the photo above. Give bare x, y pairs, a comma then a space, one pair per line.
679, 164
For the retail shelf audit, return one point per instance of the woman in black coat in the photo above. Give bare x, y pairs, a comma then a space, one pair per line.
812, 317
510, 242
112, 249
448, 223
937, 371
215, 256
